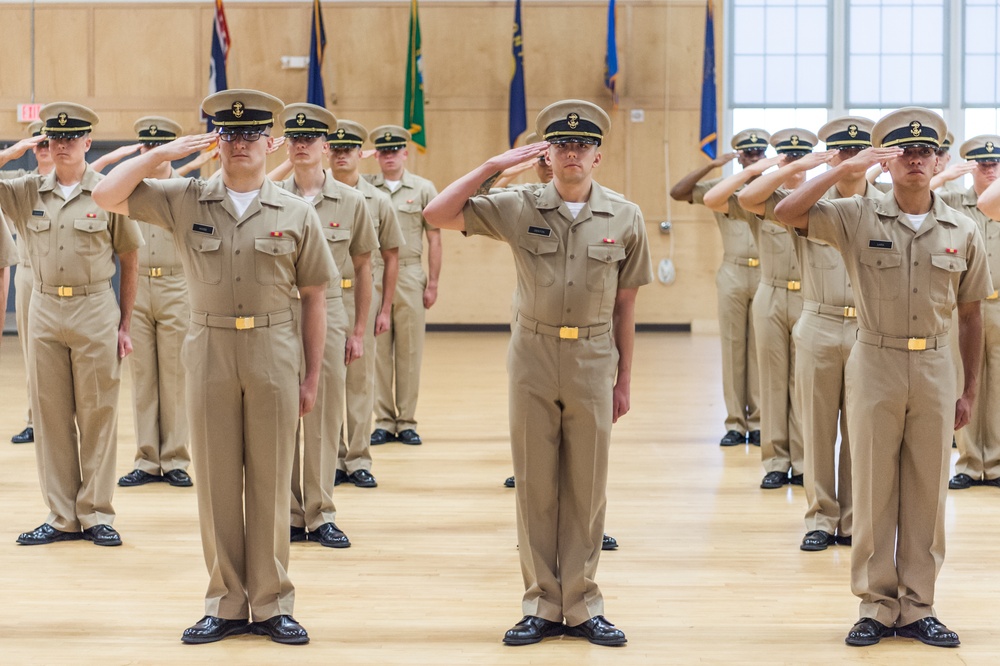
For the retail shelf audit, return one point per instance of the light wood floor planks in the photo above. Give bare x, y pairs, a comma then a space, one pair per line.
708, 572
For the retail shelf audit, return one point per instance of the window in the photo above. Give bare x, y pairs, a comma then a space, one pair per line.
981, 52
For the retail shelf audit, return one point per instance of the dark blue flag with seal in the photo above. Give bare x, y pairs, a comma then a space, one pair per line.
517, 122
709, 123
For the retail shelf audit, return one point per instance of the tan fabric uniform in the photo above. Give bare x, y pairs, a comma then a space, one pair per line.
979, 441
736, 283
159, 325
242, 385
355, 441
400, 350
776, 307
22, 296
901, 404
348, 232
72, 342
561, 389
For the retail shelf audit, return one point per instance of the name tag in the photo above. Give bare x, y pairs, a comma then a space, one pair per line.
880, 244
203, 229
38, 213
539, 231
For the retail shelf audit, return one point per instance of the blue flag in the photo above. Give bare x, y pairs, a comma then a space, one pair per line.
220, 50
709, 127
518, 115
611, 56
317, 44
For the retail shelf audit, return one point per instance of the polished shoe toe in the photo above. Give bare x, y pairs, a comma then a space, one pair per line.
753, 437
598, 631
297, 534
991, 482
362, 478
867, 631
281, 629
26, 436
608, 542
773, 480
733, 438
532, 629
381, 436
178, 478
44, 534
103, 535
817, 540
329, 535
137, 477
409, 436
961, 482
844, 540
509, 482
340, 477
796, 479
210, 629
931, 631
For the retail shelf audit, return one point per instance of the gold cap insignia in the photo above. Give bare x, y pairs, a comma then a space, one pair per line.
153, 130
795, 140
573, 120
62, 118
852, 131
341, 133
753, 137
915, 128
387, 136
300, 119
989, 146
238, 109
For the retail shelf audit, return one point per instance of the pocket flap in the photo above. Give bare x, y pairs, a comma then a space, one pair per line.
90, 225
949, 262
38, 225
881, 258
274, 246
538, 245
606, 252
336, 235
206, 244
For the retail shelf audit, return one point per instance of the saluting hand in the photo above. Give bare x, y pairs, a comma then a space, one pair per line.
723, 159
517, 155
760, 166
869, 157
184, 146
813, 160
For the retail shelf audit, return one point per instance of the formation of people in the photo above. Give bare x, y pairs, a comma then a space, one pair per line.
270, 316
851, 305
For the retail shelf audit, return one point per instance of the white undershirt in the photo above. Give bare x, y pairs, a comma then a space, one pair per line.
242, 200
575, 207
393, 184
67, 189
916, 220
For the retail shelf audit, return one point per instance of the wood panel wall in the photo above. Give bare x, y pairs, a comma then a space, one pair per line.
130, 59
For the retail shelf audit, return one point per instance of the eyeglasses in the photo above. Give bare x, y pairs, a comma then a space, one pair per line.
919, 151
247, 135
753, 152
389, 149
42, 144
296, 137
541, 160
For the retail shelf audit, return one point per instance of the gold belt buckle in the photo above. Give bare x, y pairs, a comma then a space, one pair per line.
916, 344
155, 272
794, 285
850, 312
244, 323
753, 263
346, 283
65, 291
994, 296
569, 332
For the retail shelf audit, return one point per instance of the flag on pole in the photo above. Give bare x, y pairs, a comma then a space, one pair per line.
517, 122
413, 104
220, 51
709, 121
611, 56
317, 45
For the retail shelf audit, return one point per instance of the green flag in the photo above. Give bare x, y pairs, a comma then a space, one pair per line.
413, 106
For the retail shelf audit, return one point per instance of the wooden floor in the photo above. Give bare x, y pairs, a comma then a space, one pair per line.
708, 572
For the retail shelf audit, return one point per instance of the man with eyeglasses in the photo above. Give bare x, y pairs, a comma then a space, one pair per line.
159, 325
245, 244
350, 238
581, 255
399, 352
911, 260
354, 458
736, 284
77, 333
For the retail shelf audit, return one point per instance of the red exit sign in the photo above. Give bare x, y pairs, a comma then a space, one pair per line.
27, 113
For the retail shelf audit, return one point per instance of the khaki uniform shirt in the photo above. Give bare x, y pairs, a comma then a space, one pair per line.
777, 255
159, 250
409, 200
967, 202
276, 245
381, 211
737, 238
568, 271
24, 260
908, 282
8, 249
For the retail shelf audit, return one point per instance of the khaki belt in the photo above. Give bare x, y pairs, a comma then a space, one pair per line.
409, 262
752, 262
563, 332
241, 323
159, 271
346, 283
994, 296
79, 290
790, 285
846, 311
908, 344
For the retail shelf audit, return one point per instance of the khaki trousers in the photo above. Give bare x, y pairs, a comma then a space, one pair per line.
901, 411
979, 441
822, 346
560, 434
243, 404
399, 352
314, 469
355, 441
22, 301
159, 324
736, 286
775, 311
73, 358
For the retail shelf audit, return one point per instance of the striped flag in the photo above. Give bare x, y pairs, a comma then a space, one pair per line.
709, 121
317, 45
611, 56
413, 104
220, 51
517, 117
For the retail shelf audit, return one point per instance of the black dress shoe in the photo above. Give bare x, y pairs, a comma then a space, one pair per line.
609, 543
281, 629
210, 629
409, 436
340, 477
297, 534
178, 478
817, 540
868, 631
532, 629
774, 480
138, 478
961, 482
362, 478
753, 437
103, 535
508, 482
44, 534
844, 540
733, 438
381, 436
26, 436
329, 535
991, 482
929, 630
598, 631
796, 480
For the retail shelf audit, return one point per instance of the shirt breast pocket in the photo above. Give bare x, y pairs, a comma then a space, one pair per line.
206, 259
602, 263
880, 273
540, 257
39, 236
946, 270
88, 237
273, 259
